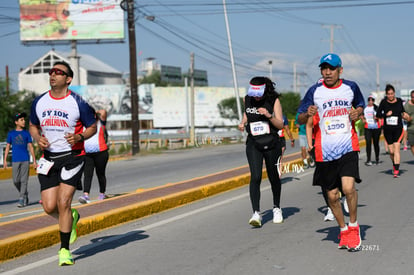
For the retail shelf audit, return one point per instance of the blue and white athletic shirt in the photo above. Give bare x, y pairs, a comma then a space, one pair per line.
335, 133
60, 116
370, 113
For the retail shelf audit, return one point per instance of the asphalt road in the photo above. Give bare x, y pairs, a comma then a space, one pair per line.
143, 171
212, 236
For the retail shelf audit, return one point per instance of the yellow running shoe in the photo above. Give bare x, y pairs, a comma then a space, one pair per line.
74, 232
65, 258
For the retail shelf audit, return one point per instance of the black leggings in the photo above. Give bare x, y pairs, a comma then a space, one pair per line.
255, 159
372, 136
95, 160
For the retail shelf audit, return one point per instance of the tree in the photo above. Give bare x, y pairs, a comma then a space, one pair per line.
290, 103
228, 108
11, 105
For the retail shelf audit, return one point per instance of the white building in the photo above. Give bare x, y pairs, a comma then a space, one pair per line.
91, 72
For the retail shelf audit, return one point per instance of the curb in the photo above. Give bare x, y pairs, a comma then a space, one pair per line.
45, 237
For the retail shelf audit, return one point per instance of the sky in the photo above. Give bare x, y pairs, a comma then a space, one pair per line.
374, 39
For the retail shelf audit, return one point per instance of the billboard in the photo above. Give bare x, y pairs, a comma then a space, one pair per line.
115, 99
171, 106
42, 20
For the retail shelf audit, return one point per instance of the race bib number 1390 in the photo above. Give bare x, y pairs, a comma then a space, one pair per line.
337, 125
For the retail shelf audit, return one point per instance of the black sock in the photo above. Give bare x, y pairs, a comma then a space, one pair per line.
64, 240
397, 167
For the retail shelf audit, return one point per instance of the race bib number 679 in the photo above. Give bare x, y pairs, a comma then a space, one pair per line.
259, 128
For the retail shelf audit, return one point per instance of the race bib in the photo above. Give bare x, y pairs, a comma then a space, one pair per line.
370, 121
44, 166
392, 120
337, 125
259, 128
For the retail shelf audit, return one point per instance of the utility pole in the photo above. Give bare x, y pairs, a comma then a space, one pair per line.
132, 74
192, 129
294, 78
378, 77
331, 40
7, 81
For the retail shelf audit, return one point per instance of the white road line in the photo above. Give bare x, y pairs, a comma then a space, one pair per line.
144, 228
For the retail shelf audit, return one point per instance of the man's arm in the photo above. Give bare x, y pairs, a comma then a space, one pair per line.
303, 117
6, 154
31, 150
354, 114
34, 131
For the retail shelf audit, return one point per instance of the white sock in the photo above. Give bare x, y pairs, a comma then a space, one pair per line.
353, 224
344, 228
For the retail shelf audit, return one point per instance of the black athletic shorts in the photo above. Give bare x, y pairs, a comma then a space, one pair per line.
328, 174
393, 135
67, 168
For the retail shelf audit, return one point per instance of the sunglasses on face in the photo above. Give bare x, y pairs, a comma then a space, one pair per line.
57, 72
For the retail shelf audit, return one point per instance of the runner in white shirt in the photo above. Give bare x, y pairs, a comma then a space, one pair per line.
332, 107
57, 119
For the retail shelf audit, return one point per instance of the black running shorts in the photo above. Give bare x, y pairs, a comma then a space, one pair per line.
393, 135
328, 174
67, 168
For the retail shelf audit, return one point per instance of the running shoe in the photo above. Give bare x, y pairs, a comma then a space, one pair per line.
20, 203
354, 238
277, 215
101, 197
74, 232
256, 220
343, 239
84, 199
65, 257
346, 208
368, 163
405, 148
396, 174
329, 215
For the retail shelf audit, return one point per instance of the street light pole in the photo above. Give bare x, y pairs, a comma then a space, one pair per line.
270, 69
236, 88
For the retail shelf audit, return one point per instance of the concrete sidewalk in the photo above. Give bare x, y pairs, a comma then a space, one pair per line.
25, 235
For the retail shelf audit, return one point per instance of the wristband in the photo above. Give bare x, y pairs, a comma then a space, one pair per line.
82, 137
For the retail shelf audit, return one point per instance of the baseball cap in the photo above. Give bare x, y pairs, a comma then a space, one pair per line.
256, 90
19, 115
332, 59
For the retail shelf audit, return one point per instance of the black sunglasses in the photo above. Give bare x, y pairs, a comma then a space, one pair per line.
57, 72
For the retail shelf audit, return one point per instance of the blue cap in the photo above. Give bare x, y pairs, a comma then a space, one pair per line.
332, 59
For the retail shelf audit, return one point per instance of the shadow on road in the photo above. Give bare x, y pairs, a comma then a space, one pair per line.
287, 212
332, 232
109, 242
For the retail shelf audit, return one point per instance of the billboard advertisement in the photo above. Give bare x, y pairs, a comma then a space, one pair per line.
172, 106
42, 20
115, 99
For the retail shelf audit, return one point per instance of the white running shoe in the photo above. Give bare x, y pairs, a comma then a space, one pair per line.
277, 215
346, 209
329, 215
256, 220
